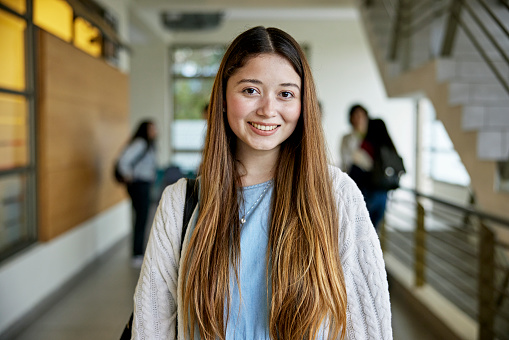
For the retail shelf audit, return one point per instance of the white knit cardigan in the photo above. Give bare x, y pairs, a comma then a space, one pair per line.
160, 284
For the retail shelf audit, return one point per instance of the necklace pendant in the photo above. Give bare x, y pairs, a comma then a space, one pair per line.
242, 220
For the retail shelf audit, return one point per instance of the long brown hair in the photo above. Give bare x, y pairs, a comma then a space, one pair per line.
303, 263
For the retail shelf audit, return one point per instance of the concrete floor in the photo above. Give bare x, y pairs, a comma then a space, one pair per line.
98, 307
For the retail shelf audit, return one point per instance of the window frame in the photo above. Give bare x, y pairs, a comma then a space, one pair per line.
29, 170
174, 78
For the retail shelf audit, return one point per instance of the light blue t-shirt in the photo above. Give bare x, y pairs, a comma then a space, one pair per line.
251, 321
249, 317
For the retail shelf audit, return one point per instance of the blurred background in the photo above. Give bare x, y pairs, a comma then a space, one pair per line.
77, 76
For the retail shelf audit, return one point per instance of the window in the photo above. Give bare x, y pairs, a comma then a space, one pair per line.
18, 227
440, 161
60, 19
193, 72
17, 170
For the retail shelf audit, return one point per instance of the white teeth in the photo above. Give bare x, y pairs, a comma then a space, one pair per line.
264, 127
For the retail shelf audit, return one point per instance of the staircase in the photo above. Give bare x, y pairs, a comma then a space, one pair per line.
455, 53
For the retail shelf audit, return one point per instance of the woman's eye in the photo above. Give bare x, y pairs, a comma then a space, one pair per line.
249, 91
286, 94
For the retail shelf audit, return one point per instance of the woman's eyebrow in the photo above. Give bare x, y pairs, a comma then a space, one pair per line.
290, 84
256, 81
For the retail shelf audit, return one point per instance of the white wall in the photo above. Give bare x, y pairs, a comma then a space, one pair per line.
150, 92
29, 277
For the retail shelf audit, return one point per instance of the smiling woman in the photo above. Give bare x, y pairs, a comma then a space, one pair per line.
280, 245
263, 105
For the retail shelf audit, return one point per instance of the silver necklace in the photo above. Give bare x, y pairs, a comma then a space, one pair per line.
255, 204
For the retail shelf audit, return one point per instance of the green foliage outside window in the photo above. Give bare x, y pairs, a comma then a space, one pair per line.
191, 95
194, 69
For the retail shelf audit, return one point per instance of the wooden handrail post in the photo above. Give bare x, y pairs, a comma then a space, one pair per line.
486, 283
420, 247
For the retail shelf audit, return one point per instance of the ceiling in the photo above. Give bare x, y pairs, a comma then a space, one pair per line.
147, 14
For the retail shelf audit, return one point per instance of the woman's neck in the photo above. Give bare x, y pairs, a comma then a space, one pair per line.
257, 167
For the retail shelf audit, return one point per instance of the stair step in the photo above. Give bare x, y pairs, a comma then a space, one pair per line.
477, 94
482, 117
467, 71
493, 145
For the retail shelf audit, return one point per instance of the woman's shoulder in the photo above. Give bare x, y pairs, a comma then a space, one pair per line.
174, 194
354, 219
139, 142
342, 183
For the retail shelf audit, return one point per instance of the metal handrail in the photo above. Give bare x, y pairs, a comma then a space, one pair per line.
453, 293
451, 244
485, 30
431, 256
453, 260
493, 16
470, 210
434, 263
401, 11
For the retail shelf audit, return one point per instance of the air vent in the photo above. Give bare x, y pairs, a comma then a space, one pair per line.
191, 21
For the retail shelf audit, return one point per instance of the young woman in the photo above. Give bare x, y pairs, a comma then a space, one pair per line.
138, 166
280, 245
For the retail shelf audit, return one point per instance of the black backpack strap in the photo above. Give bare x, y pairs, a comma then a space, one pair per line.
189, 205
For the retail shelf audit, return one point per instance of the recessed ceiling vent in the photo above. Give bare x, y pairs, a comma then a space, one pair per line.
191, 21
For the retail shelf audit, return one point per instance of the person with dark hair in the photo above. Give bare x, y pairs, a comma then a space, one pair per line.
360, 150
138, 166
280, 245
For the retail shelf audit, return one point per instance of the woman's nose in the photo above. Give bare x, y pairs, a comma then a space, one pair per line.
268, 107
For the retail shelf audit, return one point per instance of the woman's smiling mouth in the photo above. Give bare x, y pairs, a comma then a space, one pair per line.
264, 127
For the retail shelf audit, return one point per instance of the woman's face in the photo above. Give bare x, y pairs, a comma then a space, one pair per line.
151, 131
360, 120
263, 103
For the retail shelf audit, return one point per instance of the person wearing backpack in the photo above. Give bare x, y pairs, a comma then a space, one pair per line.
137, 168
370, 158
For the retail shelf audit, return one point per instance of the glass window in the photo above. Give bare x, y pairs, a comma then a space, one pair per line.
54, 16
17, 5
440, 161
193, 71
14, 226
17, 174
12, 59
87, 37
191, 96
197, 62
13, 131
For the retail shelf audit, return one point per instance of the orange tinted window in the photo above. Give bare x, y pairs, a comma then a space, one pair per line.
87, 37
12, 58
54, 16
17, 5
13, 131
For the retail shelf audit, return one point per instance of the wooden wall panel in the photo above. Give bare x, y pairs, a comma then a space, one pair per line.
82, 123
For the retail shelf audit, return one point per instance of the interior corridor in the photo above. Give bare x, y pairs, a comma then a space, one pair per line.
100, 304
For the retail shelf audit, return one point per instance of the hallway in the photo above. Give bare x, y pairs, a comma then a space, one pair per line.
98, 307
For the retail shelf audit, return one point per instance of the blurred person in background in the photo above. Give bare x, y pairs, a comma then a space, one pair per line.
361, 157
138, 167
